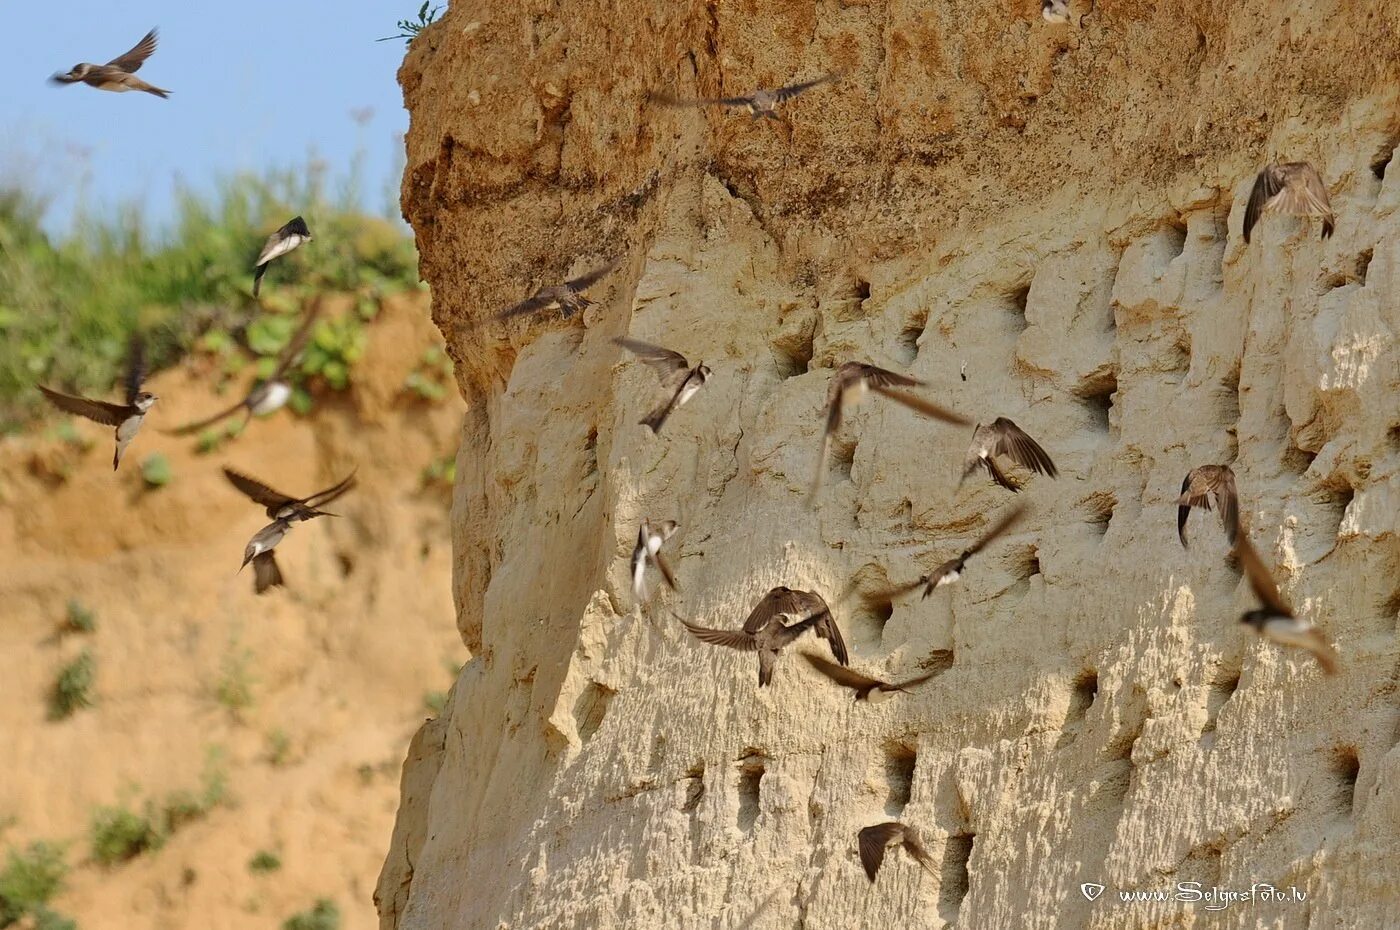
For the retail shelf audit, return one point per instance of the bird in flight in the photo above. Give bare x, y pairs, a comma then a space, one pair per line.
1055, 11
873, 841
568, 298
285, 511
1200, 485
1274, 619
680, 380
290, 235
128, 417
1294, 188
119, 74
761, 104
866, 688
765, 633
648, 551
851, 383
265, 396
951, 570
1004, 437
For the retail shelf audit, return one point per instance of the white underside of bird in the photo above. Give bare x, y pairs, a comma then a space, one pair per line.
274, 397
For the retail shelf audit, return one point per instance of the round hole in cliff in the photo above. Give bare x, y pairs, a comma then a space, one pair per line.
1382, 162
1096, 392
909, 336
1174, 234
1098, 510
1019, 302
1346, 767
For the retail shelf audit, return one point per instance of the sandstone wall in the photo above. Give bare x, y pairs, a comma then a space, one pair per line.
1058, 209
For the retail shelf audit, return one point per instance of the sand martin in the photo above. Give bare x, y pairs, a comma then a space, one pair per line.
951, 570
866, 688
1275, 619
765, 633
292, 234
1201, 484
1055, 11
873, 841
762, 103
127, 418
259, 551
850, 384
680, 381
1004, 437
265, 396
648, 551
568, 298
1294, 188
119, 74
284, 507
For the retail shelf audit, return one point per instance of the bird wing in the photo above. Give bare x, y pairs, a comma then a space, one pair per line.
198, 425
665, 569
927, 408
321, 498
935, 576
276, 245
792, 90
846, 677
266, 574
1228, 500
825, 627
663, 361
256, 490
1322, 650
872, 842
528, 305
734, 639
135, 368
1303, 193
885, 596
1266, 186
593, 277
669, 101
1183, 506
1008, 520
132, 60
912, 682
877, 377
916, 849
95, 410
295, 346
1260, 581
1016, 443
775, 603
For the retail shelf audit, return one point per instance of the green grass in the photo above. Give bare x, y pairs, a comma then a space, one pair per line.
30, 879
69, 305
279, 747
409, 28
263, 862
72, 691
156, 471
120, 832
78, 619
324, 915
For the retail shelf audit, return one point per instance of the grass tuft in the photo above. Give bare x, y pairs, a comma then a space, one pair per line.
324, 915
30, 879
72, 691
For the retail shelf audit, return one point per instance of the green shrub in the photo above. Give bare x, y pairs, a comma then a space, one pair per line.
279, 747
45, 919
409, 28
324, 915
119, 833
78, 619
155, 470
30, 879
72, 690
264, 862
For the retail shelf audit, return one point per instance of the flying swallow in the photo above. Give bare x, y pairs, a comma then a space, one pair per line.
259, 551
762, 103
1055, 11
292, 234
866, 688
127, 418
1294, 188
873, 841
119, 74
266, 396
678, 378
284, 507
1200, 485
951, 570
850, 384
765, 633
1004, 437
1275, 619
648, 550
568, 298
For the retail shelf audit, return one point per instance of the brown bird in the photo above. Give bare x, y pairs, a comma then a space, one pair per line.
1294, 188
128, 417
851, 383
761, 104
265, 396
951, 570
866, 688
1004, 437
650, 539
1274, 619
678, 378
119, 74
568, 298
765, 633
1200, 485
284, 507
873, 841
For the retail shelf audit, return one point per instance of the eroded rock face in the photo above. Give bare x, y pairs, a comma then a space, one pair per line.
1057, 210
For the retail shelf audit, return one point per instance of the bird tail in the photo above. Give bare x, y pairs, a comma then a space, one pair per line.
257, 278
159, 92
1323, 651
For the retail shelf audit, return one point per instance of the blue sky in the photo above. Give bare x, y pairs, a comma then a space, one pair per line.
254, 84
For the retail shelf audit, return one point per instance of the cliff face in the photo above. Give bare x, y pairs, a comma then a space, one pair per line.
1056, 209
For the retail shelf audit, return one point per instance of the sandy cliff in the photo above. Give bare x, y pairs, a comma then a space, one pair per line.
1059, 210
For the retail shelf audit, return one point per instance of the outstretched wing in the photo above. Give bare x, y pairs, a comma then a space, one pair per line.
1007, 521
1260, 581
266, 574
1266, 185
132, 60
256, 490
295, 346
847, 678
665, 570
916, 849
1228, 500
887, 596
198, 425
825, 627
927, 408
1303, 194
734, 639
135, 368
95, 410
660, 359
668, 101
792, 90
872, 842
321, 498
1016, 443
583, 282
